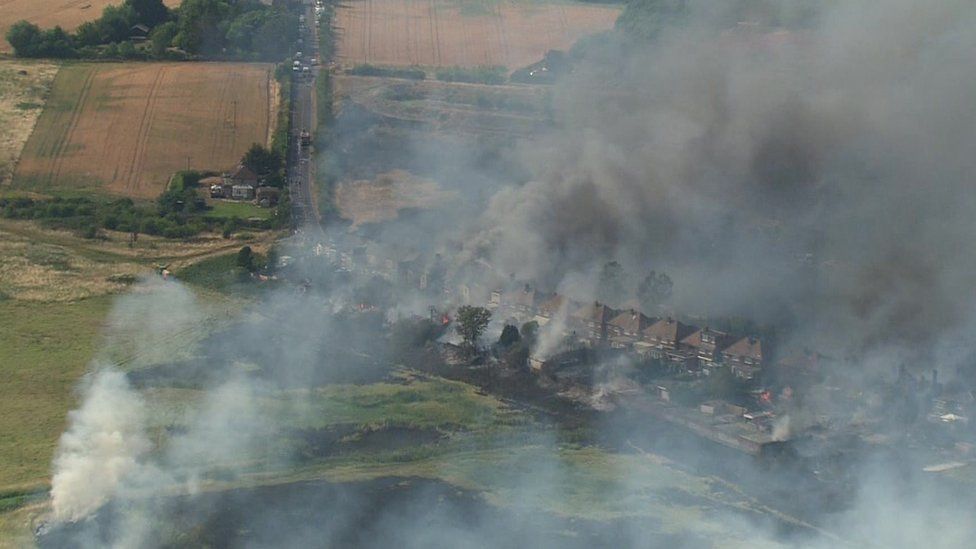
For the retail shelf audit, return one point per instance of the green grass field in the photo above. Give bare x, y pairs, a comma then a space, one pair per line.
45, 347
242, 210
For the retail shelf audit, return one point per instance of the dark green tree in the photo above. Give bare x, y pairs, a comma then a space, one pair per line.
261, 160
149, 12
245, 259
162, 38
653, 290
471, 323
25, 38
510, 336
610, 286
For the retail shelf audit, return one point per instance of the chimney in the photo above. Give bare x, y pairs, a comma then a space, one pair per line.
527, 288
935, 377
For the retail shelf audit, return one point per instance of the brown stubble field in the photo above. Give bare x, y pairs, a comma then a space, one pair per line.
124, 128
69, 14
442, 33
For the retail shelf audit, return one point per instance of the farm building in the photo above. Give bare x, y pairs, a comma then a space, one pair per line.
267, 196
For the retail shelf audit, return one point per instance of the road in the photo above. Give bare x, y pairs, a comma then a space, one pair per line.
301, 172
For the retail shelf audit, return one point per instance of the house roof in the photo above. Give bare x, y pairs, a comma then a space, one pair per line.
243, 173
750, 347
668, 329
695, 338
632, 321
268, 191
595, 312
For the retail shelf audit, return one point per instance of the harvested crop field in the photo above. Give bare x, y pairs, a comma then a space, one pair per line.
381, 199
24, 86
442, 33
48, 13
124, 128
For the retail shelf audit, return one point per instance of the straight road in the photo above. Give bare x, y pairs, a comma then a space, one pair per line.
301, 172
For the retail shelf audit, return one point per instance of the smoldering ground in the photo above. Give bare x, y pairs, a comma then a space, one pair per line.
124, 478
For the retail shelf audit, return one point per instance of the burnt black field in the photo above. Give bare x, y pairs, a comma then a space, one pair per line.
388, 512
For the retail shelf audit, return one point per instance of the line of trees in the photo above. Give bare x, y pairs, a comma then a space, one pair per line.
179, 212
234, 29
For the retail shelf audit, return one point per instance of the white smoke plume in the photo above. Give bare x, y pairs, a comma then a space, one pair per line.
102, 447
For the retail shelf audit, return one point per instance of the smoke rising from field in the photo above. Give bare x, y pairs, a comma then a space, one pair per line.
103, 445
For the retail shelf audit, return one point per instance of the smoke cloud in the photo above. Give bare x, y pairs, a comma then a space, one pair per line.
817, 177
102, 447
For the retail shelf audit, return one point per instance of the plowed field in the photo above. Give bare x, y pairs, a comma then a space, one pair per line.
462, 32
48, 13
124, 128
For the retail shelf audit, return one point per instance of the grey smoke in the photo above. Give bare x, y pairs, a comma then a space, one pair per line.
820, 176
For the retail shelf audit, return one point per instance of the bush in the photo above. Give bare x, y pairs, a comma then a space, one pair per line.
373, 70
487, 74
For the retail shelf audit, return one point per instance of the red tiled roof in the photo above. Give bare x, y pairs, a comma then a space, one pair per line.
668, 329
595, 312
746, 347
632, 321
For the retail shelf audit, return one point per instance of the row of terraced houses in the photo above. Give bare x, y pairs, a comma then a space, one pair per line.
598, 325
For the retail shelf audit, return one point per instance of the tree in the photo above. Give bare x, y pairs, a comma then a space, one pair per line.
530, 330
611, 283
162, 38
25, 38
471, 323
510, 336
245, 259
149, 12
653, 290
261, 160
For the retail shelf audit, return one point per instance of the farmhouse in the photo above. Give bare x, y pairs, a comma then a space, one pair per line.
138, 33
